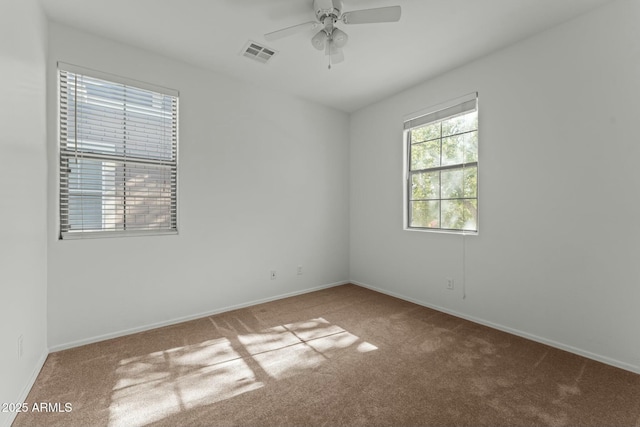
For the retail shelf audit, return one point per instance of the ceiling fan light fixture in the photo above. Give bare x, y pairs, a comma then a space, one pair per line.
319, 40
331, 49
339, 37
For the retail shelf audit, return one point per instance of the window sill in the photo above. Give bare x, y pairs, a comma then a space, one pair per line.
80, 235
439, 231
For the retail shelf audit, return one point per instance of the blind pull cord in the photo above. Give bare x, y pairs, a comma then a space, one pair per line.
464, 235
75, 114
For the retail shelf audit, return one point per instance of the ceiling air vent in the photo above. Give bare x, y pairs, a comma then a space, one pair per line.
258, 52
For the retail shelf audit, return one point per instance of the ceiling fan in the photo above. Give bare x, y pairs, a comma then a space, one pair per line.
330, 38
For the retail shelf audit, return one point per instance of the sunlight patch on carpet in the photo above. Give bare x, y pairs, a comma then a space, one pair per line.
163, 383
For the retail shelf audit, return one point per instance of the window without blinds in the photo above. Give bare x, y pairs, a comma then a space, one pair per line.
442, 168
118, 158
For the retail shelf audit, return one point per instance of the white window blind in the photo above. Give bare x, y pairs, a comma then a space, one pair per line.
118, 157
465, 106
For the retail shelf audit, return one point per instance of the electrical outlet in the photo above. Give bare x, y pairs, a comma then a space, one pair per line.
299, 270
20, 347
449, 283
273, 275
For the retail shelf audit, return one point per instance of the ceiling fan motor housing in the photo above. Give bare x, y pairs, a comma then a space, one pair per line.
325, 8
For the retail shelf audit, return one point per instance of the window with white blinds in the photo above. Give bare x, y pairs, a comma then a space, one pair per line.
118, 156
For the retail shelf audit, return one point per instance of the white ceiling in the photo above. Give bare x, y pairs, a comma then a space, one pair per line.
432, 36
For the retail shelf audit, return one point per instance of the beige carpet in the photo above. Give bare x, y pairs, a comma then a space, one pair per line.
344, 356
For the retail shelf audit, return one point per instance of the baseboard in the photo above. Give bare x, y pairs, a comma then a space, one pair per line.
589, 355
27, 388
177, 320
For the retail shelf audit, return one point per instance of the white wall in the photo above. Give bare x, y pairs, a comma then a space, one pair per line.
263, 184
557, 254
23, 208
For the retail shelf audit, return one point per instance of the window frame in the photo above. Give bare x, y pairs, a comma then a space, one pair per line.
66, 234
425, 117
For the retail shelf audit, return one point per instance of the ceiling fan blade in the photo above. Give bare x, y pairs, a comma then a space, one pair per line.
372, 16
323, 4
285, 32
